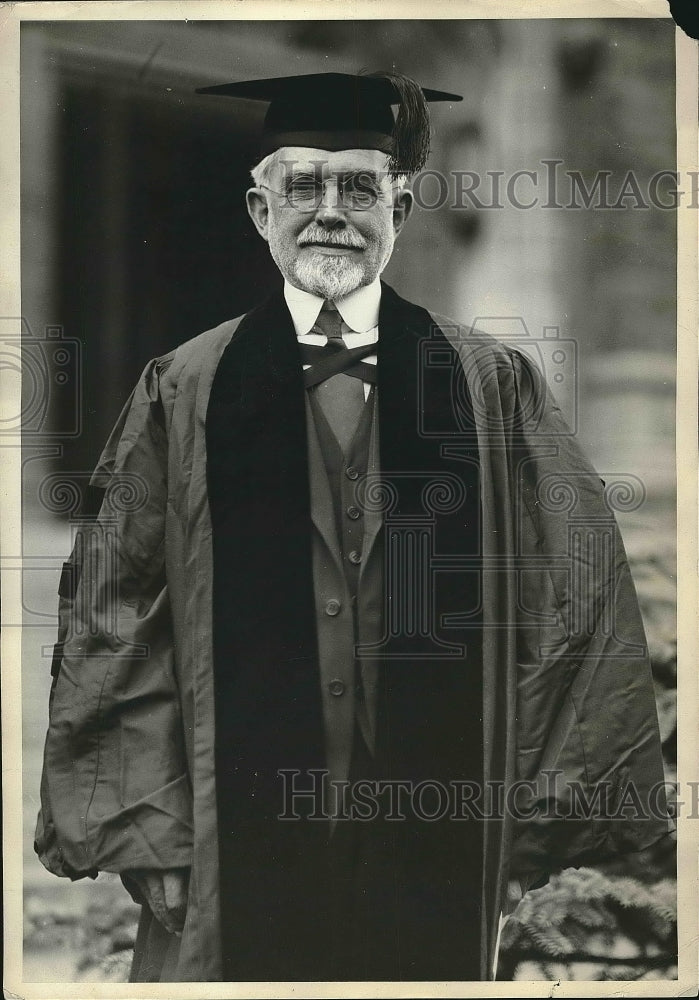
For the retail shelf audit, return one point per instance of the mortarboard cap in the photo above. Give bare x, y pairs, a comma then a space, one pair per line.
344, 111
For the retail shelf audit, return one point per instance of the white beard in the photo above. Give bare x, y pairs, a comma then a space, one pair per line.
328, 277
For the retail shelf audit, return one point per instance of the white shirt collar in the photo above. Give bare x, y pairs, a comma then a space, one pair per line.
359, 309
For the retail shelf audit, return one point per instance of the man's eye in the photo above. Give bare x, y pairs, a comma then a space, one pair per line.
361, 183
361, 187
303, 188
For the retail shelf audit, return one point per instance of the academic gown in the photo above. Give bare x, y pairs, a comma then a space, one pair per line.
184, 589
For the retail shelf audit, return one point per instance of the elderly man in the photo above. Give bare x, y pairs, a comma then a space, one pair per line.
300, 680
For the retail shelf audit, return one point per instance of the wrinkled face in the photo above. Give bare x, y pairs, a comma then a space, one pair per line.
337, 244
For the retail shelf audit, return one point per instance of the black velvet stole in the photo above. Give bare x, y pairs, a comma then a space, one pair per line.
275, 891
431, 686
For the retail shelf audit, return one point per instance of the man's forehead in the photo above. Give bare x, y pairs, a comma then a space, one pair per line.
294, 159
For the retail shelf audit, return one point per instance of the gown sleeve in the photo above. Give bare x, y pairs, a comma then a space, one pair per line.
588, 743
115, 792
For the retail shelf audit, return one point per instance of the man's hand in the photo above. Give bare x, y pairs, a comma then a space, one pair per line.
165, 892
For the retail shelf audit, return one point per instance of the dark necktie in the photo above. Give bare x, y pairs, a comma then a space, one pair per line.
341, 397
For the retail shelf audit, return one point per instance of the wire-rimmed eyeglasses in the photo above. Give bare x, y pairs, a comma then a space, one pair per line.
356, 191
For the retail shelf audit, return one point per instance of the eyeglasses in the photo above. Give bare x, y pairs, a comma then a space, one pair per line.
357, 192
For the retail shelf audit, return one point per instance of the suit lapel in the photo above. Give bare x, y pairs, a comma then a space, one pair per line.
394, 413
404, 450
373, 518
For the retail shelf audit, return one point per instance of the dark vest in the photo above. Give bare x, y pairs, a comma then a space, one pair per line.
344, 472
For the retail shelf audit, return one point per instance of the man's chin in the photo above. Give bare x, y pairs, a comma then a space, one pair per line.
331, 277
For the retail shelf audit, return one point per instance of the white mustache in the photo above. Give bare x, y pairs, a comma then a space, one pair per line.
340, 238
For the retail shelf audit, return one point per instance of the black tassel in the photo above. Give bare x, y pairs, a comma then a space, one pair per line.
411, 131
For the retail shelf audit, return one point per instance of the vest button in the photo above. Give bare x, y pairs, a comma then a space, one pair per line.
354, 513
355, 557
332, 608
351, 473
336, 688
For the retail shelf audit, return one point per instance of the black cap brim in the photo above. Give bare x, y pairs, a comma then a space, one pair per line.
283, 88
344, 111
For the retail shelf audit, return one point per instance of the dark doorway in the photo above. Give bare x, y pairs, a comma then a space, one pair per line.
156, 244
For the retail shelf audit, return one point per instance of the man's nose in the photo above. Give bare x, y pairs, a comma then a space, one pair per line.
331, 213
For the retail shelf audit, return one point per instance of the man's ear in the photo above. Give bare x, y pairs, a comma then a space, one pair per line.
402, 207
258, 210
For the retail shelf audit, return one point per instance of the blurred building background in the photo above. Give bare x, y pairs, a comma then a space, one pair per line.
135, 238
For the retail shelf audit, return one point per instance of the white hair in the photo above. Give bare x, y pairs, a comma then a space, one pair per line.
262, 171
